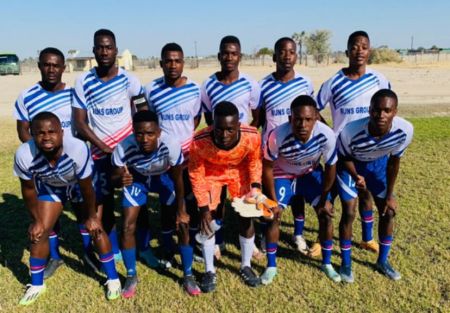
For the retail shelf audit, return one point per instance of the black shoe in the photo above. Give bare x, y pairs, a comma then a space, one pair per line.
209, 282
51, 267
249, 277
91, 261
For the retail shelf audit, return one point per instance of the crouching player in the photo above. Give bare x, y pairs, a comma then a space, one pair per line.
51, 170
147, 162
369, 158
291, 168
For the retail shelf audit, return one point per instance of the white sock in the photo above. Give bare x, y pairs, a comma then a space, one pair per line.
247, 245
208, 254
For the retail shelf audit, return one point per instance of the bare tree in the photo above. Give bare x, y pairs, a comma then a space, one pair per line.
299, 38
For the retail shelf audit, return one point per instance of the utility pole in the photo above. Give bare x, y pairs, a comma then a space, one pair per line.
196, 57
412, 42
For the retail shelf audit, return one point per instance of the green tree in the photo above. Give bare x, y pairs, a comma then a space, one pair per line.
299, 38
318, 44
263, 52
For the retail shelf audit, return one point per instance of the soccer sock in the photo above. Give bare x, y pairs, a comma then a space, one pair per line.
192, 232
143, 238
367, 225
114, 241
108, 264
208, 254
346, 251
247, 245
271, 248
168, 243
385, 247
219, 233
299, 223
129, 259
37, 267
87, 246
327, 247
187, 256
53, 243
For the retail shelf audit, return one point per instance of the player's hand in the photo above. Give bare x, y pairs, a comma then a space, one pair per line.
327, 209
205, 221
276, 210
127, 178
35, 231
93, 226
360, 182
390, 204
182, 218
106, 149
253, 196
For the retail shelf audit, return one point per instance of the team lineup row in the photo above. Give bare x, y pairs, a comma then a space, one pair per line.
142, 140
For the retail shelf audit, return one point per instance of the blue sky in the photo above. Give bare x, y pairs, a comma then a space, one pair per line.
145, 26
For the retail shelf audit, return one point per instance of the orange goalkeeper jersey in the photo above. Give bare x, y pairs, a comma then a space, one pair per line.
210, 168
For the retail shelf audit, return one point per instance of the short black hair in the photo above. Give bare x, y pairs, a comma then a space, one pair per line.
225, 108
42, 116
358, 33
280, 41
104, 32
145, 116
229, 40
51, 50
303, 100
383, 93
171, 46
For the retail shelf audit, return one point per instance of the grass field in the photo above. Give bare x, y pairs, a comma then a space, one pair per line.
421, 252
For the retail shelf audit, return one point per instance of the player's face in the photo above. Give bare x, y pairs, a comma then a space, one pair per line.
358, 51
303, 119
48, 136
382, 113
172, 64
286, 56
105, 51
226, 131
147, 134
229, 57
51, 67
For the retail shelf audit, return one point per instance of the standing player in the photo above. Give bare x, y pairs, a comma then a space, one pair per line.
176, 100
105, 99
49, 169
292, 167
348, 93
369, 153
278, 90
225, 154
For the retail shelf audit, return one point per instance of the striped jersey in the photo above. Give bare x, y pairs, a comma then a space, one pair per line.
355, 141
350, 99
277, 96
143, 165
36, 99
243, 93
177, 107
108, 105
292, 157
74, 163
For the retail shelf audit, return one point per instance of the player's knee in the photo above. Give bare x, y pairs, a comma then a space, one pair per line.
324, 218
129, 228
348, 216
388, 215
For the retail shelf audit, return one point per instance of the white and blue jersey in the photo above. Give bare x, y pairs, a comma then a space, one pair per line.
276, 98
108, 105
244, 93
349, 99
149, 170
36, 99
370, 154
177, 107
54, 182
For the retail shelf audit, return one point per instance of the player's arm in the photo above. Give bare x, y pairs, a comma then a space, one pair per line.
208, 118
262, 117
93, 224
121, 177
392, 169
268, 180
176, 173
349, 166
85, 132
328, 180
23, 130
29, 195
255, 116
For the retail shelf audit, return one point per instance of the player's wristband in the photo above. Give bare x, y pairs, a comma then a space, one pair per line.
256, 185
139, 101
203, 209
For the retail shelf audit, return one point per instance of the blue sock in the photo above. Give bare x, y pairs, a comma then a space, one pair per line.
143, 238
219, 233
114, 241
299, 223
385, 247
37, 267
187, 256
53, 243
367, 225
327, 248
108, 264
271, 248
192, 232
87, 245
129, 259
168, 243
346, 251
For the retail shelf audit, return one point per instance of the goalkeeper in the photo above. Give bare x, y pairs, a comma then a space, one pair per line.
225, 154
291, 166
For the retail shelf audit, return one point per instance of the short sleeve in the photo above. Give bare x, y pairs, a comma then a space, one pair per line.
329, 153
84, 162
22, 162
20, 111
255, 94
117, 157
408, 130
134, 87
324, 95
205, 101
78, 94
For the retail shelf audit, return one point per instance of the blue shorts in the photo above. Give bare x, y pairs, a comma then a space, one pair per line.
308, 186
137, 193
102, 178
374, 173
58, 194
